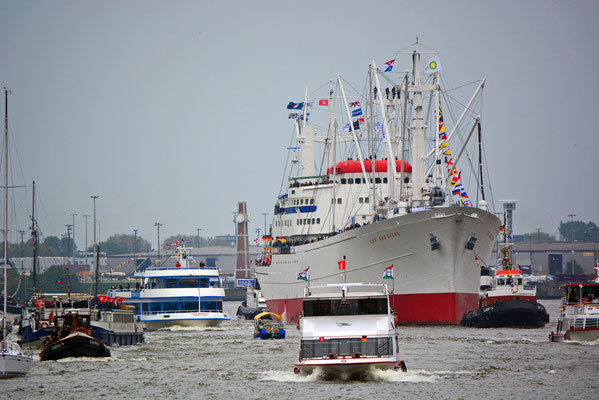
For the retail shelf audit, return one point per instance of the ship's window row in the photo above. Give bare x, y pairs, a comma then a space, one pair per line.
178, 283
180, 307
321, 308
579, 323
364, 200
283, 223
358, 181
302, 202
339, 201
308, 221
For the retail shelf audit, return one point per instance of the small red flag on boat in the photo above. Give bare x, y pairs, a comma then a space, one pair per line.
321, 339
323, 102
341, 264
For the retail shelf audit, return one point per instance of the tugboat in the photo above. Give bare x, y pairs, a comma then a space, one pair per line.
72, 338
347, 329
579, 312
504, 301
254, 303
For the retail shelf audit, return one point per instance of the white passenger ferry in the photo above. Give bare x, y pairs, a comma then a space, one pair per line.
579, 313
183, 295
346, 329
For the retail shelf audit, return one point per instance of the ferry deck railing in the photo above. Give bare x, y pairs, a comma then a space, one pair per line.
347, 347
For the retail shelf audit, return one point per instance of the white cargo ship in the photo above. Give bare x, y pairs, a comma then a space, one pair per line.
355, 219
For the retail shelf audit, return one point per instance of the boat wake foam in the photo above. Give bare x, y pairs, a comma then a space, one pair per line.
83, 359
180, 328
373, 375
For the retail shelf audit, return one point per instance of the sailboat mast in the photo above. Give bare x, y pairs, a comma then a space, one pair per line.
5, 213
34, 242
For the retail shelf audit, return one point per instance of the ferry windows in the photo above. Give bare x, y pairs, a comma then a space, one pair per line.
361, 200
210, 306
318, 220
204, 282
384, 180
339, 200
298, 222
171, 283
343, 181
358, 181
155, 308
313, 221
190, 306
377, 180
317, 308
350, 180
366, 199
301, 202
214, 282
189, 283
311, 201
171, 306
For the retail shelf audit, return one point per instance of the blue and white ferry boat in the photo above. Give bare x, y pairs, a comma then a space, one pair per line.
183, 295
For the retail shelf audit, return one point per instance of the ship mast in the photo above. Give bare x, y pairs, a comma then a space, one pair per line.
4, 333
418, 167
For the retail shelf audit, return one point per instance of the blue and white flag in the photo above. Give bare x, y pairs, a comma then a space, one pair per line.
292, 115
295, 106
356, 112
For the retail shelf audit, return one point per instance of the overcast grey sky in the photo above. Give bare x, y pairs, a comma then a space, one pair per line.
173, 111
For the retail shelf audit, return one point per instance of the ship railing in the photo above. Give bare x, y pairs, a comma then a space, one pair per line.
283, 250
347, 347
178, 312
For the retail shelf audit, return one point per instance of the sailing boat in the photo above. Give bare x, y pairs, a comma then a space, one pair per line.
12, 360
356, 217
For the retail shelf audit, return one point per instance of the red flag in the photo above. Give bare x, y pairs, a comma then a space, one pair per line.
341, 264
321, 339
323, 102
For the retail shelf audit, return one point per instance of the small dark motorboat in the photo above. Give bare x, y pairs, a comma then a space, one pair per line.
72, 338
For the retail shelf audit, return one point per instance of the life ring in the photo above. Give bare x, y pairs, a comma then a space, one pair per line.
44, 324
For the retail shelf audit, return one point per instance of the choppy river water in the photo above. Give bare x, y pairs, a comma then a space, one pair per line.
227, 363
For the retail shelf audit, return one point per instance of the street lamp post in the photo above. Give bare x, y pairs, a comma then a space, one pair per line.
96, 248
86, 216
69, 227
572, 241
158, 225
135, 242
73, 242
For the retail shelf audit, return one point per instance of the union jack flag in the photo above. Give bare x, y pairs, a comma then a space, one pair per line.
354, 104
